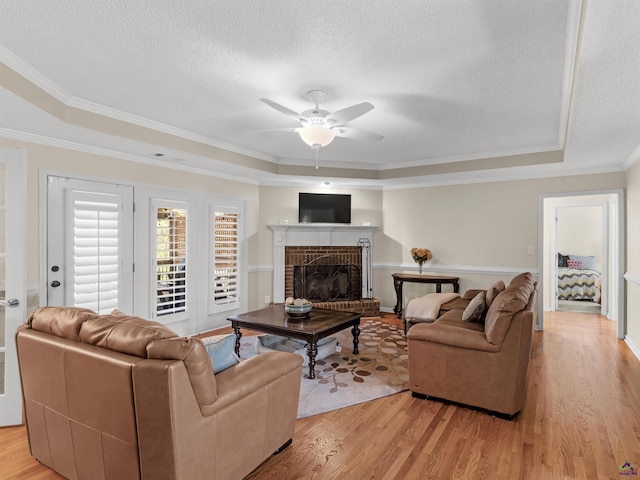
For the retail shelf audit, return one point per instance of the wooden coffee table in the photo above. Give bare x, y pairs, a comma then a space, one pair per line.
320, 324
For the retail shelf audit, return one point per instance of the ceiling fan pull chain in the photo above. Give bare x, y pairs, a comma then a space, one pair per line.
317, 150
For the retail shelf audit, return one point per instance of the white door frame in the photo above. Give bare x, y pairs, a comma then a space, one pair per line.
617, 250
16, 270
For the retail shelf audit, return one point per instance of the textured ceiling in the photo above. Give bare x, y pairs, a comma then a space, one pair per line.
454, 83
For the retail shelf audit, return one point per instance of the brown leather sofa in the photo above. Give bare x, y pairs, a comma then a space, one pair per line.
117, 397
481, 364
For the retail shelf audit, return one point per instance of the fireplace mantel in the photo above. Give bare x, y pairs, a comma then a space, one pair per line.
314, 234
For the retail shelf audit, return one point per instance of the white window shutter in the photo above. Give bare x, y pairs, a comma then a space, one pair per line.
95, 250
171, 259
225, 273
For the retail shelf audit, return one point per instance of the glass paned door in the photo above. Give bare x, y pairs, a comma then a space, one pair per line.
89, 244
13, 292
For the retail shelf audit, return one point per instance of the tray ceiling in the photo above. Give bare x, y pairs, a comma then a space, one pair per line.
462, 89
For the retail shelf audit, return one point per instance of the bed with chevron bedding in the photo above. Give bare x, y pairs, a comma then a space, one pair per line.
574, 284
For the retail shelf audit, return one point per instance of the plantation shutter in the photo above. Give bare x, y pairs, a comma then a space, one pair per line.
171, 260
225, 269
95, 250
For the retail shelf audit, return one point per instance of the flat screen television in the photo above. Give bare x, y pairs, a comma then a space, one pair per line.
324, 208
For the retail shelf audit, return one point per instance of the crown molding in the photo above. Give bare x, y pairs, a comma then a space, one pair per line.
27, 71
575, 22
51, 88
104, 152
632, 158
488, 176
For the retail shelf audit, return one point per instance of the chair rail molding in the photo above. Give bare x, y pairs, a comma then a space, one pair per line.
444, 268
630, 277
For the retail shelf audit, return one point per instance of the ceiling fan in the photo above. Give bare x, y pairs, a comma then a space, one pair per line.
319, 127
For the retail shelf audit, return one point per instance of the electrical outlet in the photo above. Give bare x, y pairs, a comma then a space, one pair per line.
530, 250
267, 299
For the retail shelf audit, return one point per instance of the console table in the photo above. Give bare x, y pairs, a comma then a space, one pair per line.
400, 278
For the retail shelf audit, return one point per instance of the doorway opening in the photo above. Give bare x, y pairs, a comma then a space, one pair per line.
582, 245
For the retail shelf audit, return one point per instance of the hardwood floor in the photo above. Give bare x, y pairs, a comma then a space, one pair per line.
581, 421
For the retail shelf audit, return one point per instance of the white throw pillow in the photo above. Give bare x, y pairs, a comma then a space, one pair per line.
475, 309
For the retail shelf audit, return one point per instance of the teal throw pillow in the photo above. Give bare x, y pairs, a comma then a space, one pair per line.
221, 349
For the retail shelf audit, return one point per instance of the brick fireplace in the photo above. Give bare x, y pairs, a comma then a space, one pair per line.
323, 274
329, 263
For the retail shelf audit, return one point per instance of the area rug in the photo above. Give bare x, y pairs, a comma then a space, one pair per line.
342, 379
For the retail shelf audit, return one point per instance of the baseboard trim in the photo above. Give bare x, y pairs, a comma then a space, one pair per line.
632, 347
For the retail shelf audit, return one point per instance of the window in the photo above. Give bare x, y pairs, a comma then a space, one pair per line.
224, 286
171, 260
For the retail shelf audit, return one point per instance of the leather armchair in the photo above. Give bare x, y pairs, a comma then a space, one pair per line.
115, 397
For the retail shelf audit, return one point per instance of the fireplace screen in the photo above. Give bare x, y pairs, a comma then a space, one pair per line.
321, 282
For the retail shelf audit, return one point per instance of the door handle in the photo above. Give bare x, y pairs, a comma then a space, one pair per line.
55, 283
12, 302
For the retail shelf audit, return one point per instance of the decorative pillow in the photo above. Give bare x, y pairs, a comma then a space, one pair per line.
492, 292
588, 261
475, 309
562, 260
513, 299
574, 264
221, 350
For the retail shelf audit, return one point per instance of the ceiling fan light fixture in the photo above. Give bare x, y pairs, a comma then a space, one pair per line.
316, 136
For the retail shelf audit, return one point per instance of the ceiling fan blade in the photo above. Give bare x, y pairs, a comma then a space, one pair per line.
346, 132
286, 129
347, 114
288, 112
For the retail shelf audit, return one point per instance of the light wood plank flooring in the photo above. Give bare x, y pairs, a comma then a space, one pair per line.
581, 421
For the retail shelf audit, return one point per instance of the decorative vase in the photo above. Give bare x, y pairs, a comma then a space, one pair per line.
420, 269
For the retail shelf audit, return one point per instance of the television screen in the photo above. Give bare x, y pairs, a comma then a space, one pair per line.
324, 208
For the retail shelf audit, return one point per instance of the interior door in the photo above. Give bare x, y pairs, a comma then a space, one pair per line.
13, 291
89, 244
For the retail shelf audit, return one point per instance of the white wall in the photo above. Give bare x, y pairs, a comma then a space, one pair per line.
579, 231
480, 232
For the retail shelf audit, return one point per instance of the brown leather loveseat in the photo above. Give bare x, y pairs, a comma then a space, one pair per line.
478, 363
117, 397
